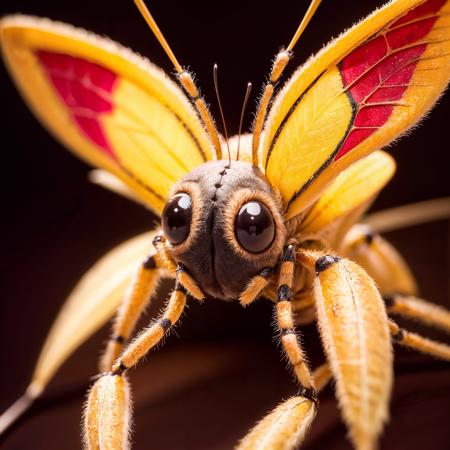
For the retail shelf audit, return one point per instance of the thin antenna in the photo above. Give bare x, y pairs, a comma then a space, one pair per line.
279, 64
244, 105
216, 87
158, 34
304, 23
186, 79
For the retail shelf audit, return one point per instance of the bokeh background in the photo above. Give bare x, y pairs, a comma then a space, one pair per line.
223, 371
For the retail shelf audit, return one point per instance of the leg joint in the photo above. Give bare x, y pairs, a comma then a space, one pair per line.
119, 339
150, 263
399, 335
284, 293
289, 253
324, 262
120, 370
286, 331
389, 300
165, 324
369, 236
308, 393
180, 288
266, 272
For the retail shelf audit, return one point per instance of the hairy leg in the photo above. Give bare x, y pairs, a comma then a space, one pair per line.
134, 303
393, 277
255, 286
91, 303
419, 343
419, 310
107, 412
286, 327
353, 326
284, 427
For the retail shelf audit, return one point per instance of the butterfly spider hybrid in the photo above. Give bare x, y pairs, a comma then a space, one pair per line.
271, 214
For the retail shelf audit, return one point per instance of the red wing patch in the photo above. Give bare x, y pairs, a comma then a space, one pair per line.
377, 74
85, 88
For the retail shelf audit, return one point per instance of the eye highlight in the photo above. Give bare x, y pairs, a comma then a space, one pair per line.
254, 227
177, 217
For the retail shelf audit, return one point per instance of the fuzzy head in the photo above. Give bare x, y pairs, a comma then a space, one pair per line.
224, 223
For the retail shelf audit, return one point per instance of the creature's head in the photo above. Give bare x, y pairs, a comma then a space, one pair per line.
224, 223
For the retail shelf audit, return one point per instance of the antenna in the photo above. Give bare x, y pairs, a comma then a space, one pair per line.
216, 87
244, 105
158, 34
304, 23
186, 80
279, 64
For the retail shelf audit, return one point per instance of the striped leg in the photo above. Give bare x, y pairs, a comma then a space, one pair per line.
420, 310
164, 254
419, 343
134, 303
107, 416
150, 337
285, 426
286, 327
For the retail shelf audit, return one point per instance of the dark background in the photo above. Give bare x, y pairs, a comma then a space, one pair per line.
223, 372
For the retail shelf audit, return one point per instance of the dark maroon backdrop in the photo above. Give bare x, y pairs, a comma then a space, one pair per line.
223, 372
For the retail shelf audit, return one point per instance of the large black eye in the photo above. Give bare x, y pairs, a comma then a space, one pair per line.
254, 227
176, 218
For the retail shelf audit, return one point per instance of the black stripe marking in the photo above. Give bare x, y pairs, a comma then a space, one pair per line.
121, 369
141, 183
286, 118
189, 131
165, 324
266, 272
333, 154
324, 262
165, 170
184, 125
389, 300
285, 331
289, 253
284, 293
119, 339
369, 236
108, 97
150, 263
308, 393
180, 288
399, 336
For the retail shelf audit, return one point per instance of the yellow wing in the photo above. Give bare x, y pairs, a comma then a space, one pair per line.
352, 191
89, 306
357, 95
108, 105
